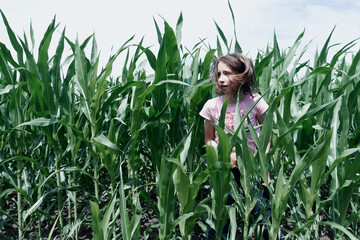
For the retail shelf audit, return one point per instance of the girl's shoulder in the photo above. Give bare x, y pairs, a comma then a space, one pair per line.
211, 108
261, 106
213, 101
251, 97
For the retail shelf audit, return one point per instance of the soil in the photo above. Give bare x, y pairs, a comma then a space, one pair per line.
148, 220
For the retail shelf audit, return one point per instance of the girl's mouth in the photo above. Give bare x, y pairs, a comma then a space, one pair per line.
224, 87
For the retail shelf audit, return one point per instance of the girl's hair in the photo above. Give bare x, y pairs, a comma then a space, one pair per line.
243, 69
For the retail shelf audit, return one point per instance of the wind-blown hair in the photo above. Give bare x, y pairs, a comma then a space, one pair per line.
243, 69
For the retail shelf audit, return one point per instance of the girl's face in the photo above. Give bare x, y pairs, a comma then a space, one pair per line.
224, 74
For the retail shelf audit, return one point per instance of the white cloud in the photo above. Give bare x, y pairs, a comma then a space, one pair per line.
289, 18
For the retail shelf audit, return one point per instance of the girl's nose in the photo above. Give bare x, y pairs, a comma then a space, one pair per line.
221, 78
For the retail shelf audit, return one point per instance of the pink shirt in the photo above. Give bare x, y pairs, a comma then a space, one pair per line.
212, 109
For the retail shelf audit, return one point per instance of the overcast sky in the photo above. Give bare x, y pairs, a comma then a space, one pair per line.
115, 21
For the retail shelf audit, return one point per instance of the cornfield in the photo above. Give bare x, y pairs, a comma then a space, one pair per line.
84, 154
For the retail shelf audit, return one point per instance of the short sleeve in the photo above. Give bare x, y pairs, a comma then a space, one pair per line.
261, 106
206, 112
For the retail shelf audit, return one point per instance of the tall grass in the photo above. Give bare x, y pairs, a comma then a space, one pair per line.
86, 153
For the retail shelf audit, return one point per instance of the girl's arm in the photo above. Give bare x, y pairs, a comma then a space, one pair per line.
261, 118
209, 134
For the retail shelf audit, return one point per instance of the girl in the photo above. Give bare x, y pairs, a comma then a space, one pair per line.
230, 73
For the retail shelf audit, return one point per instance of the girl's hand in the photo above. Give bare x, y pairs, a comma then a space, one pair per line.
233, 160
269, 181
212, 143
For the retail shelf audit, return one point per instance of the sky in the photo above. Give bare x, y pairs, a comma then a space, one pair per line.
113, 22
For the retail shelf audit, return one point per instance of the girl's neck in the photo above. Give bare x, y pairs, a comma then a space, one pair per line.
233, 97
